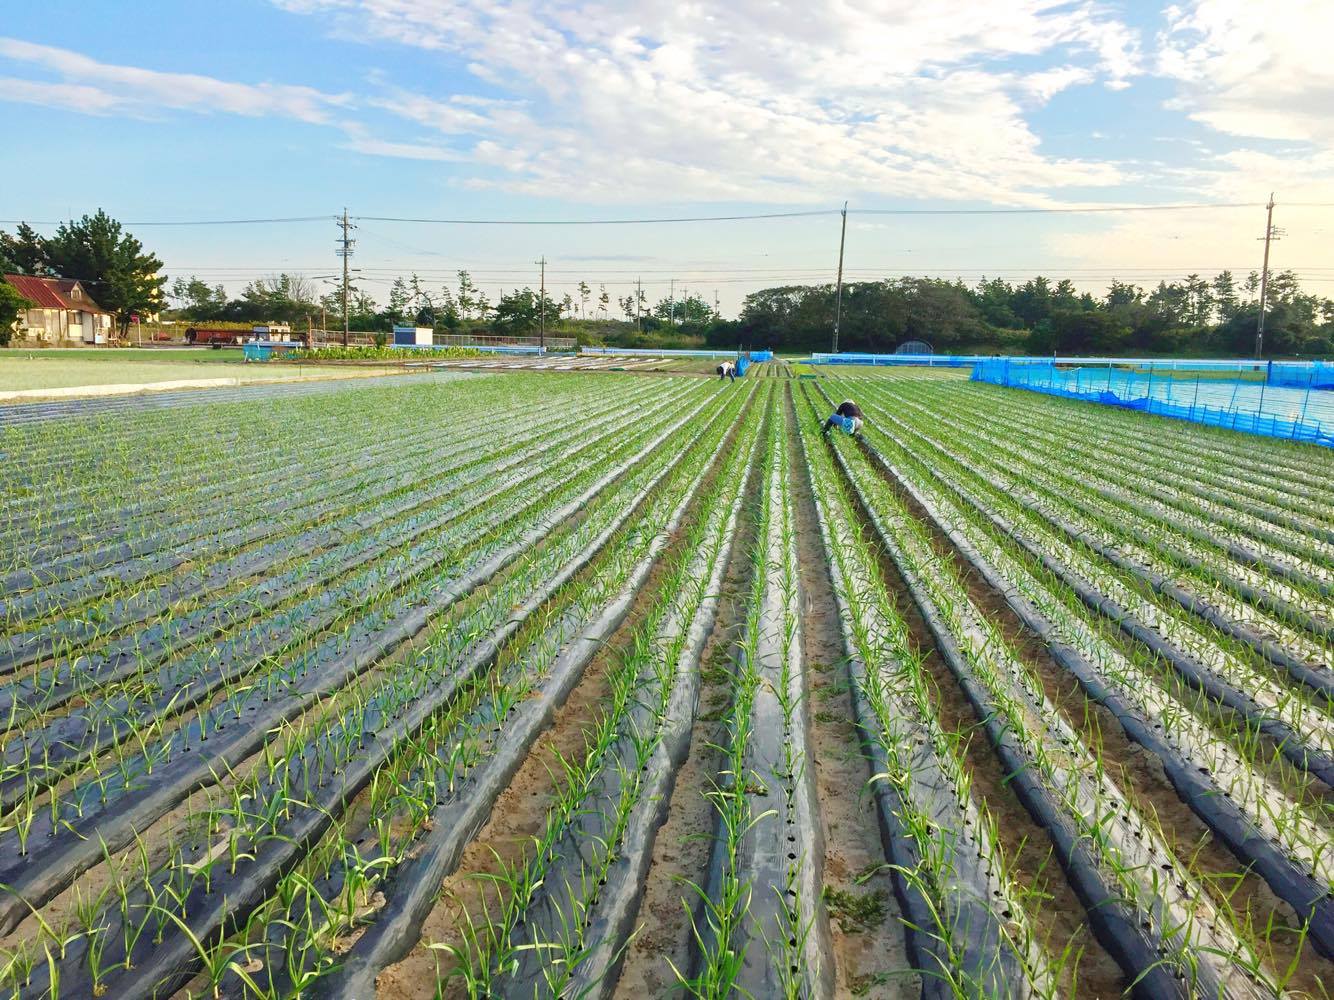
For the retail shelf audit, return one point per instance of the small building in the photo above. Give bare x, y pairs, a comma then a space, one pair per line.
413, 336
62, 312
273, 332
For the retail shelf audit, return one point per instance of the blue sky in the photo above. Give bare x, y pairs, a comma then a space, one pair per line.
193, 110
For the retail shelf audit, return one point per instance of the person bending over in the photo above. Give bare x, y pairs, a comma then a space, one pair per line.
727, 370
848, 416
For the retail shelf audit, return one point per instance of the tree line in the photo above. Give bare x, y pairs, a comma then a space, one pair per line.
448, 307
1198, 315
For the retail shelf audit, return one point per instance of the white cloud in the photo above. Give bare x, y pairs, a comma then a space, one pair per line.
90, 100
752, 100
1254, 70
359, 141
97, 87
1045, 85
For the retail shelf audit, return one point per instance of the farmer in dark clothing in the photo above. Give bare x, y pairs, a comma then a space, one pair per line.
727, 370
848, 416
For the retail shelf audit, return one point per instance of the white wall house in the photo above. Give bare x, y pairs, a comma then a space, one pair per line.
62, 312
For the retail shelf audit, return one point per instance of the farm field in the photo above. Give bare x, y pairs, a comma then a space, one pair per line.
56, 369
517, 683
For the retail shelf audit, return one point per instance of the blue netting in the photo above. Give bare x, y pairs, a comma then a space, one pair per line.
1255, 406
1302, 375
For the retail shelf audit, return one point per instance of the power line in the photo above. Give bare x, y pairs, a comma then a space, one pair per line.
742, 217
190, 222
1072, 210
743, 271
601, 222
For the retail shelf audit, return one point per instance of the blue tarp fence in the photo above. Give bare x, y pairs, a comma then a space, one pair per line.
1252, 397
1301, 375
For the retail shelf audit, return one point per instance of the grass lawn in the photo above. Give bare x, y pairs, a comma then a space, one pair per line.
55, 369
139, 355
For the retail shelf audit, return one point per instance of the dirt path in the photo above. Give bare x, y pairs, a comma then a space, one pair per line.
683, 845
870, 947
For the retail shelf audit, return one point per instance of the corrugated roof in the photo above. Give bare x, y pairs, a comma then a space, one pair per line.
52, 293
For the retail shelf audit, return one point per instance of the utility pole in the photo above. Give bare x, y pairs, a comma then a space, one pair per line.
345, 251
717, 310
838, 295
671, 297
1270, 234
639, 299
542, 305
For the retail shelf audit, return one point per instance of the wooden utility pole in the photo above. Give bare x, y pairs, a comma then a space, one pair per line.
1270, 234
542, 305
838, 295
345, 251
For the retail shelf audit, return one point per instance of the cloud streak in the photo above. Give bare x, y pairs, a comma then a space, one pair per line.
104, 88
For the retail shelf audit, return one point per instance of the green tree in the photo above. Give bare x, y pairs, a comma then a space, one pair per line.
465, 300
97, 251
993, 298
285, 298
1032, 301
689, 310
446, 312
197, 300
24, 252
1122, 294
1199, 300
11, 304
399, 299
1226, 300
520, 312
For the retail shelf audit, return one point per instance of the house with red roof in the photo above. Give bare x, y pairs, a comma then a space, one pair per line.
62, 312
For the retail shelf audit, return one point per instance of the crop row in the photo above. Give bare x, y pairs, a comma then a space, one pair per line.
1222, 766
140, 702
181, 771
